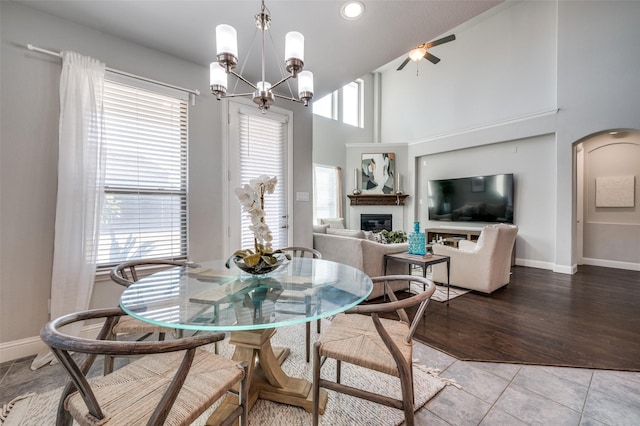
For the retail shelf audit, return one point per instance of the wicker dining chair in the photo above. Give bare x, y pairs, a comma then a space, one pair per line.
125, 274
315, 254
174, 382
375, 343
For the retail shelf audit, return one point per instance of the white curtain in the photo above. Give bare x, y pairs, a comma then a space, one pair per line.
81, 164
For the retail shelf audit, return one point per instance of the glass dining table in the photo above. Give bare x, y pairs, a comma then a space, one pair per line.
211, 297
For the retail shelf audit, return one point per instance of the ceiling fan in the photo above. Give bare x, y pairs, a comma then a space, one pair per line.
421, 51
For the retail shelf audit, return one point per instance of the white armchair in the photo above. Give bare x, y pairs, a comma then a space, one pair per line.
484, 266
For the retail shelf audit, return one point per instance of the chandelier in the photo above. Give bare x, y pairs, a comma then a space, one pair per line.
263, 95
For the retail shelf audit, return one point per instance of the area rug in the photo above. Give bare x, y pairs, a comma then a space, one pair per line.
40, 409
440, 294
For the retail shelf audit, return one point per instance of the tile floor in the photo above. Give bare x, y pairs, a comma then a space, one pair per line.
490, 394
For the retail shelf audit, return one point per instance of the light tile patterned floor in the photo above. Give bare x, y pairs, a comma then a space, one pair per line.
514, 394
490, 393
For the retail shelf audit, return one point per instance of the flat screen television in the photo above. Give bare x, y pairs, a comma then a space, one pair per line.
472, 199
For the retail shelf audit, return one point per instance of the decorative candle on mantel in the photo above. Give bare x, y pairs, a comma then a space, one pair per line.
398, 190
356, 188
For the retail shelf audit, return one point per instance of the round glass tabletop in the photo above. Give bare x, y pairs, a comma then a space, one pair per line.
211, 297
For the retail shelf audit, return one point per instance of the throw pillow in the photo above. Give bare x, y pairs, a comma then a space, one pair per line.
335, 223
346, 232
320, 229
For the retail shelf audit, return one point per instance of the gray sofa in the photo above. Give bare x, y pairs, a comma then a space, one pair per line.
363, 254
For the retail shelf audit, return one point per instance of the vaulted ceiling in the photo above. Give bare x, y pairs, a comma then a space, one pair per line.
336, 50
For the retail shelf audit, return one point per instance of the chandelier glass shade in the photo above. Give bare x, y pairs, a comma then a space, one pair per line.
263, 95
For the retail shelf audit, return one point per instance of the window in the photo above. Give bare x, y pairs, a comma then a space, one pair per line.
327, 192
145, 210
351, 103
352, 99
326, 106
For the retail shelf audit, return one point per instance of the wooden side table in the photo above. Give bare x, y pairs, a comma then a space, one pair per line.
419, 260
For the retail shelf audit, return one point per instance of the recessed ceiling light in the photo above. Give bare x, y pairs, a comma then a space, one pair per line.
352, 10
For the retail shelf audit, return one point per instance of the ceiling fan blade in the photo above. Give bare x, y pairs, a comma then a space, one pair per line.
431, 58
406, 61
441, 41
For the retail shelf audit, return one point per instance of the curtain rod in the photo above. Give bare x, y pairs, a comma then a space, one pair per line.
195, 92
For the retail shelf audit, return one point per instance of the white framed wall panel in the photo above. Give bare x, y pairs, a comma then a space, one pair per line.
615, 191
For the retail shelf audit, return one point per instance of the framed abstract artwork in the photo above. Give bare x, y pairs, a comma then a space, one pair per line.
378, 173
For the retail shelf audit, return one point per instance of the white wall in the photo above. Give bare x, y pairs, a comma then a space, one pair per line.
598, 86
502, 66
28, 176
532, 161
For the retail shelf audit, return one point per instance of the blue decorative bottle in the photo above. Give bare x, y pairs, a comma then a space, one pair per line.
417, 241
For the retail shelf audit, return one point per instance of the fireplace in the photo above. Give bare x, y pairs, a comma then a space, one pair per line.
376, 222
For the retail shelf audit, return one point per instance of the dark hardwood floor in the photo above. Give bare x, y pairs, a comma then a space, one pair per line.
590, 319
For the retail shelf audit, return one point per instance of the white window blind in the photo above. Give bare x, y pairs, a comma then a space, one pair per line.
263, 145
327, 190
145, 210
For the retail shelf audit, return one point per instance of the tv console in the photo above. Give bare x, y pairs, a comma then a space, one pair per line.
453, 234
461, 228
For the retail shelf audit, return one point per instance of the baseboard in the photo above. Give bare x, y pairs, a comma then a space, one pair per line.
22, 348
612, 264
535, 264
31, 346
564, 269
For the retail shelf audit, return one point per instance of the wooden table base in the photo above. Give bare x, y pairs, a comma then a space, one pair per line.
266, 378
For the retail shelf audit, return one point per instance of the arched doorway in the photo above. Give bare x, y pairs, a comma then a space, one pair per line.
607, 195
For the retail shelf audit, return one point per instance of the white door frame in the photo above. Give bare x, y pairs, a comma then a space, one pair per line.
579, 158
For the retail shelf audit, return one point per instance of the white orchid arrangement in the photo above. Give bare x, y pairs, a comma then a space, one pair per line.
251, 197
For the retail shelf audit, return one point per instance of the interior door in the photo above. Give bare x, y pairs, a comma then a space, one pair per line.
259, 144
